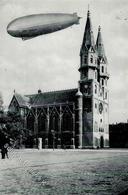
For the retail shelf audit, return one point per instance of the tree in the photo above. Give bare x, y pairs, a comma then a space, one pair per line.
14, 128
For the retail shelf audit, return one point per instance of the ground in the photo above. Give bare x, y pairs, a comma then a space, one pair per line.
64, 172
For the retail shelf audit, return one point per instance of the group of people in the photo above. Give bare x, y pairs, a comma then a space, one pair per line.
4, 151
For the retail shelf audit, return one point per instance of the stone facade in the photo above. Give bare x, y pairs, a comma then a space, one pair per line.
73, 118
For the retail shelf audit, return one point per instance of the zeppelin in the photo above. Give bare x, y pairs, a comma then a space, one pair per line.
31, 26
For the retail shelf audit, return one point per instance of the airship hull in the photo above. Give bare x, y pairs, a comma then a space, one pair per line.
35, 25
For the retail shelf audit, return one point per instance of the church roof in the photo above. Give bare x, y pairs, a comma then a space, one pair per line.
22, 100
100, 46
52, 97
88, 40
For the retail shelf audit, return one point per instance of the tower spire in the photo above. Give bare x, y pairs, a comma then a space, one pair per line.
88, 40
100, 45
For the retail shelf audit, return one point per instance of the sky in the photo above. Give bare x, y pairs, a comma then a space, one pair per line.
50, 62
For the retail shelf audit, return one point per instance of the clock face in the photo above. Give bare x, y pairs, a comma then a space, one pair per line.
100, 108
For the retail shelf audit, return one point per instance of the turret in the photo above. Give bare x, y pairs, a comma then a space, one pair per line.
100, 47
79, 109
88, 55
102, 63
88, 39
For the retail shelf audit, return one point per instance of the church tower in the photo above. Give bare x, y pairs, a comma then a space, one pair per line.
93, 86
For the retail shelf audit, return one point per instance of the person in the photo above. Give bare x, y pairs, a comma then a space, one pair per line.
4, 151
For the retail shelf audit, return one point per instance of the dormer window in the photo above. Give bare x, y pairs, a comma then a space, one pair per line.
91, 59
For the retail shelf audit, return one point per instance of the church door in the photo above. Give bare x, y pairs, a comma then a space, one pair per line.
101, 142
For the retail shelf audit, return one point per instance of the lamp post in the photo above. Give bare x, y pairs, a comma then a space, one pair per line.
53, 137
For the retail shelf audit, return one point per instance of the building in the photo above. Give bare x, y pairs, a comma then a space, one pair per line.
118, 134
74, 118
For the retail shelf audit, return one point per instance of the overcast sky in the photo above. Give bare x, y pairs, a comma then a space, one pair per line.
50, 62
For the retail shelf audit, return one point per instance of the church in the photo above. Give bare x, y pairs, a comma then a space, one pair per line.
72, 118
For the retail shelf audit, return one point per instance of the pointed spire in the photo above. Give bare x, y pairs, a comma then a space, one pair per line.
100, 45
88, 40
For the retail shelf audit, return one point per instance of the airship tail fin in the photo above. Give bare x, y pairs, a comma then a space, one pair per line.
27, 38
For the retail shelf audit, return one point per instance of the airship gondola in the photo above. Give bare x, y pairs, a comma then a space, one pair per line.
31, 26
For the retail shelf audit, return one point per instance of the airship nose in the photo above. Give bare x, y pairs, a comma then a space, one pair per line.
11, 29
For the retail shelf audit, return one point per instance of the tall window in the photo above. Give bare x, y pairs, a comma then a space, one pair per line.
95, 74
54, 122
42, 123
67, 122
30, 122
106, 95
102, 81
102, 69
91, 59
106, 82
95, 89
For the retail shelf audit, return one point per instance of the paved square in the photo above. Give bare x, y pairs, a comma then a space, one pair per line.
63, 172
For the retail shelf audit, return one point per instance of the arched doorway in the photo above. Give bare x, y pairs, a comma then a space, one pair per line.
101, 142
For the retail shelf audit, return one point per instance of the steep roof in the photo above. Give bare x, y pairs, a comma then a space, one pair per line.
100, 46
52, 97
88, 39
22, 100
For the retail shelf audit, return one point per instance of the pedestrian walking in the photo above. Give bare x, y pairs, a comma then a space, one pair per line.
4, 151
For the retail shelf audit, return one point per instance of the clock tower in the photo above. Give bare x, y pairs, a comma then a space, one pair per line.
93, 86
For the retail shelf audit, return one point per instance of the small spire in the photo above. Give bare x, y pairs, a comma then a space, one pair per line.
99, 29
100, 45
14, 91
88, 13
78, 94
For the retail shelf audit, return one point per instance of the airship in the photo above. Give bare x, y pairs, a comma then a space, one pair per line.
31, 26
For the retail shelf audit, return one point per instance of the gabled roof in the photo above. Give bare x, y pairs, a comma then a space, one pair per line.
22, 100
41, 99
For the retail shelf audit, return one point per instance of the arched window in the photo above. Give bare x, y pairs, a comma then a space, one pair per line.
91, 59
95, 74
42, 123
95, 89
106, 95
106, 82
30, 122
102, 81
102, 69
67, 122
54, 122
